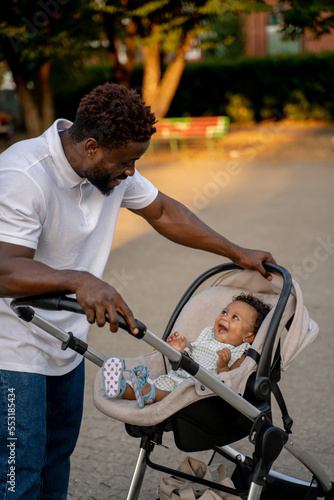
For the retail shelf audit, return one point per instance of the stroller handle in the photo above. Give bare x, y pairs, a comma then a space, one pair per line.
62, 303
268, 347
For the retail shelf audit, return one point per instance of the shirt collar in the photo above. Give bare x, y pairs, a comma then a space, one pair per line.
57, 152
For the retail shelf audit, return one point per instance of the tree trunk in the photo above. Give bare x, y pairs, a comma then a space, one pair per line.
29, 108
159, 92
122, 72
46, 104
152, 73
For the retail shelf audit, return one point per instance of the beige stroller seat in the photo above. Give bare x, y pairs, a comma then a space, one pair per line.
198, 313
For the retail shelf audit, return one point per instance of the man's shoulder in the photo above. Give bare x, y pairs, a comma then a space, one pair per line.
27, 153
24, 154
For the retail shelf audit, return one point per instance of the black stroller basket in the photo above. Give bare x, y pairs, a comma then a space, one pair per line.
216, 421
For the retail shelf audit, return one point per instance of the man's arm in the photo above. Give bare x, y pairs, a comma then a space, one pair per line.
177, 223
21, 275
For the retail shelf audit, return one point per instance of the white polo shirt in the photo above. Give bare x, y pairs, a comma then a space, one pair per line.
46, 206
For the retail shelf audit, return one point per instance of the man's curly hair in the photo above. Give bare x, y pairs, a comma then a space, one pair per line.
261, 308
113, 116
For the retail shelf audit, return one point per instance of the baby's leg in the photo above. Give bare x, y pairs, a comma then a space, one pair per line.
159, 394
130, 394
144, 392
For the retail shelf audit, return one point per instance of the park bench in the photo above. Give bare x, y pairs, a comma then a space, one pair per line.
180, 130
4, 124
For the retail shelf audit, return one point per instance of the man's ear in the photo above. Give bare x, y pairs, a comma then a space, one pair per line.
91, 146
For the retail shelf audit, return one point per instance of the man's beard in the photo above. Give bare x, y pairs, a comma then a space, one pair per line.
100, 179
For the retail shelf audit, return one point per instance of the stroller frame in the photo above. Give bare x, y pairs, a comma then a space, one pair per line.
267, 439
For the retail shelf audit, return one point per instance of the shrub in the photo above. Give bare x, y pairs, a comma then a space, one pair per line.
258, 88
266, 86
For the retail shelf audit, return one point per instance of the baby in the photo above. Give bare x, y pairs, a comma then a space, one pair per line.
218, 349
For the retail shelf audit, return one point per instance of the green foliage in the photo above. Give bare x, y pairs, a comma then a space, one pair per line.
219, 7
226, 36
299, 108
32, 32
258, 88
72, 82
238, 108
168, 21
316, 15
149, 8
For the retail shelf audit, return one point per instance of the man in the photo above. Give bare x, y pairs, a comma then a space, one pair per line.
59, 199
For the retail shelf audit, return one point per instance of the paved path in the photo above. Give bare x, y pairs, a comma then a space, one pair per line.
272, 188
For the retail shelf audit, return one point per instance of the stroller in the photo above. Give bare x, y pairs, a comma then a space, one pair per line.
209, 412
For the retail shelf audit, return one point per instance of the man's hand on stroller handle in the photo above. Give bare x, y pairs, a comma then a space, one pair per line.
98, 298
254, 259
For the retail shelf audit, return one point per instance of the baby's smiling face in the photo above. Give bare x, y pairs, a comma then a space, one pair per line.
235, 324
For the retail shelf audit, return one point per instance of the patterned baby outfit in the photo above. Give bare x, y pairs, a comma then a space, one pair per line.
204, 352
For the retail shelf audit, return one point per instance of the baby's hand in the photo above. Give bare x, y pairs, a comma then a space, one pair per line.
177, 341
224, 356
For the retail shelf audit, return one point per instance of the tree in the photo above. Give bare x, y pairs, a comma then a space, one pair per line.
30, 35
315, 15
226, 40
165, 30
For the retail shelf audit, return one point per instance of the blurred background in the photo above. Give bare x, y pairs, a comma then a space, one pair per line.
248, 60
